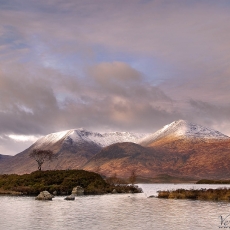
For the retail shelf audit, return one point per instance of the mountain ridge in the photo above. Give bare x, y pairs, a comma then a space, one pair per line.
178, 149
83, 135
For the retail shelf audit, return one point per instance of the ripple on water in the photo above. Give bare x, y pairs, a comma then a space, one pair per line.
114, 211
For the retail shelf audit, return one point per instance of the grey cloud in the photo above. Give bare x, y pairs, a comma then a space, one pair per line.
120, 80
120, 98
35, 105
210, 111
216, 116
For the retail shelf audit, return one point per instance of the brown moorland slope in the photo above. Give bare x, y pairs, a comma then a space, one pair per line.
176, 157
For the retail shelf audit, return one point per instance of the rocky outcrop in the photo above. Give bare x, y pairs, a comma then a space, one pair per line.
78, 191
45, 195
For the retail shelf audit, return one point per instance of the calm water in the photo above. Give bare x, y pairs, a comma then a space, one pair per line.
126, 211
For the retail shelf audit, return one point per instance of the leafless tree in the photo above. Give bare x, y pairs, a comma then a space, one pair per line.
41, 156
112, 180
133, 177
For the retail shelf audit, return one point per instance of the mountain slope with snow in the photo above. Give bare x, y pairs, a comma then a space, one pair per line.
180, 149
73, 148
81, 136
183, 130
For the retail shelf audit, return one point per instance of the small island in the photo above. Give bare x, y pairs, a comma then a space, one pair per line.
220, 194
206, 181
61, 182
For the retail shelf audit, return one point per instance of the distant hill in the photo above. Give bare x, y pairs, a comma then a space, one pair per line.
122, 158
4, 157
4, 161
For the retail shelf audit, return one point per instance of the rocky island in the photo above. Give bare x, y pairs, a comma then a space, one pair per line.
60, 182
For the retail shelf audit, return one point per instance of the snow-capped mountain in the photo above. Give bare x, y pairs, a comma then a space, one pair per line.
180, 149
185, 130
80, 136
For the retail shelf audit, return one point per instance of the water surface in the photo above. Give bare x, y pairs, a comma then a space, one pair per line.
114, 211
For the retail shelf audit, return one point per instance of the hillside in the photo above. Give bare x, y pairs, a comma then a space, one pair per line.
180, 149
122, 158
177, 159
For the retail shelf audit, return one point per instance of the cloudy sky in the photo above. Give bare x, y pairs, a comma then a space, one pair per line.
111, 65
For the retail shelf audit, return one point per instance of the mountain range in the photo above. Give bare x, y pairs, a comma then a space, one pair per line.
181, 150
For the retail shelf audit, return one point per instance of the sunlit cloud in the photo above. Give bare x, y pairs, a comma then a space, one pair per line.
23, 138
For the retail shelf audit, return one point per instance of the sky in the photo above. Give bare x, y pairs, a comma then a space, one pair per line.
111, 65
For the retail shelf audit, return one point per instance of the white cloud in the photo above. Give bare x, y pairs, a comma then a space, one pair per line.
23, 138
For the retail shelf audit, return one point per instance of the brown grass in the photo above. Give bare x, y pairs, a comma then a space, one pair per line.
221, 194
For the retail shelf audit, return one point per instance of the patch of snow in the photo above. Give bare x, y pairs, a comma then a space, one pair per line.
52, 138
81, 136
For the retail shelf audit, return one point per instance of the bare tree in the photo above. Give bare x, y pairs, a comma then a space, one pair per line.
133, 177
41, 156
112, 180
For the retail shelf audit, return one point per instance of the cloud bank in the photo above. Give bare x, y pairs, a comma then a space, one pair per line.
112, 65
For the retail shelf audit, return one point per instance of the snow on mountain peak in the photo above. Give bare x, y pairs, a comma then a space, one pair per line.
104, 139
181, 128
188, 129
184, 129
52, 138
81, 135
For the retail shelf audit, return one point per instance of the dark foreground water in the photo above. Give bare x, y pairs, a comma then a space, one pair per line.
117, 211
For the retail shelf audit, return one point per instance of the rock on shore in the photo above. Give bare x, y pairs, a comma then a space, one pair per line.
44, 195
78, 191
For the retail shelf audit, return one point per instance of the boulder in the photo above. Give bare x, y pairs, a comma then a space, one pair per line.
114, 191
44, 195
78, 191
71, 197
55, 193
